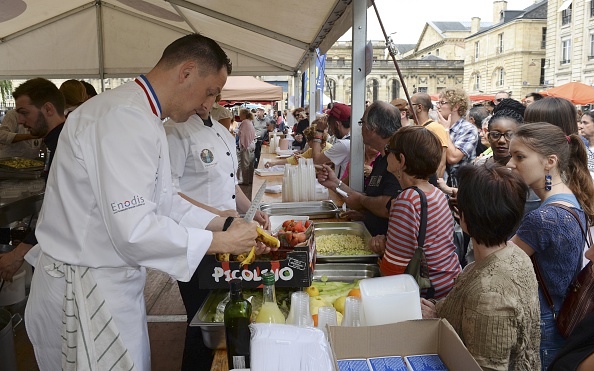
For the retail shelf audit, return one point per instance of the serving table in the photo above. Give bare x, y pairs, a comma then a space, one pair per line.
219, 362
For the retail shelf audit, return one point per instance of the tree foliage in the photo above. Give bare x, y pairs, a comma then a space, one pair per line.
5, 89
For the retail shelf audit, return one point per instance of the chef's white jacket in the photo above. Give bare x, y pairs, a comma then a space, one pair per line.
203, 162
110, 205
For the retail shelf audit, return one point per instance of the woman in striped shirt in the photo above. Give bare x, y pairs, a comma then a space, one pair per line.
414, 154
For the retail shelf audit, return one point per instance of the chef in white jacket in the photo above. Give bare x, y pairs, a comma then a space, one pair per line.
110, 209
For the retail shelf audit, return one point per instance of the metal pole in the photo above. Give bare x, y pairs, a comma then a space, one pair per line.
392, 51
99, 14
358, 93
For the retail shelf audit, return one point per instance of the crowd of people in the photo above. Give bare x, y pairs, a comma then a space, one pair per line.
149, 175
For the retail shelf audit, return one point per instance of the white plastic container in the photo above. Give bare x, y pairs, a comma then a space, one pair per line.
13, 292
390, 299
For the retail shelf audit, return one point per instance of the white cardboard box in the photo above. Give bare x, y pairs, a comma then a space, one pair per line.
430, 336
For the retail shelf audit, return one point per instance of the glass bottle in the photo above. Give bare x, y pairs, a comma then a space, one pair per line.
238, 313
270, 312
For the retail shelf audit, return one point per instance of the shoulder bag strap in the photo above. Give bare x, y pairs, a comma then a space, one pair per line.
423, 226
539, 277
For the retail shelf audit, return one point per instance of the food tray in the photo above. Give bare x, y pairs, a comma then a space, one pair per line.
346, 228
347, 272
24, 169
213, 333
275, 171
313, 209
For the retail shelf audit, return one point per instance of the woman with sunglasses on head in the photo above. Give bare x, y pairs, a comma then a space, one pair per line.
554, 165
414, 154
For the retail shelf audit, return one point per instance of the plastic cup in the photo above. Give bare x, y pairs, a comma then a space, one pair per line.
352, 312
326, 316
299, 314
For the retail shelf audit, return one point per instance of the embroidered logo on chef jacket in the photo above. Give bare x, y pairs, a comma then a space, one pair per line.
206, 156
117, 207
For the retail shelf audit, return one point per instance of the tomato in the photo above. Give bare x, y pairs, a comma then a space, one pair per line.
286, 223
307, 223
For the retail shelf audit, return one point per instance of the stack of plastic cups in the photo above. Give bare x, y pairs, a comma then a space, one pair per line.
326, 316
299, 314
311, 173
352, 312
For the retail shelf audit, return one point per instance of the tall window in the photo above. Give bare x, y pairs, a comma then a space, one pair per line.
477, 50
542, 71
543, 40
477, 82
500, 77
395, 87
500, 43
372, 90
591, 54
565, 51
566, 16
591, 9
331, 85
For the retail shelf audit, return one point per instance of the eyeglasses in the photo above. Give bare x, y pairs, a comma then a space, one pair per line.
442, 103
389, 149
362, 122
495, 135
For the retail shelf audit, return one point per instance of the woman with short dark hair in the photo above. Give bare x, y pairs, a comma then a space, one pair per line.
414, 153
494, 303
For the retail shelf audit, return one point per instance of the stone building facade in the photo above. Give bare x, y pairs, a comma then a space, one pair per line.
570, 35
509, 55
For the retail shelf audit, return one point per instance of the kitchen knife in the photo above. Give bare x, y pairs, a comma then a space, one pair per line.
249, 215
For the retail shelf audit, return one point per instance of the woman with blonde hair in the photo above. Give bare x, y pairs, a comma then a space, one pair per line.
74, 93
555, 166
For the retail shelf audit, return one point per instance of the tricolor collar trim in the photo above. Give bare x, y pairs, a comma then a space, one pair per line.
150, 94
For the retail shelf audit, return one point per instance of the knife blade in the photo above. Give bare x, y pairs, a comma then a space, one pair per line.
249, 215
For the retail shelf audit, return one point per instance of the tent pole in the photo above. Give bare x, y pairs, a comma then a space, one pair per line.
99, 14
358, 93
313, 103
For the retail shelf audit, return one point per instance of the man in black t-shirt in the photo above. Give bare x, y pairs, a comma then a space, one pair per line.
380, 121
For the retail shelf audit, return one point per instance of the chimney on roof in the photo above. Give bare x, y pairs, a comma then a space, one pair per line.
475, 26
498, 7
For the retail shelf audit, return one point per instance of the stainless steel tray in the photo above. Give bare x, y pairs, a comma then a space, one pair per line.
347, 272
313, 209
344, 228
213, 333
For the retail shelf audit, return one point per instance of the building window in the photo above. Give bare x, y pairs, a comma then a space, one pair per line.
500, 43
591, 55
423, 89
591, 9
500, 77
477, 82
477, 50
437, 52
332, 88
372, 90
341, 62
565, 51
566, 16
542, 71
395, 89
543, 40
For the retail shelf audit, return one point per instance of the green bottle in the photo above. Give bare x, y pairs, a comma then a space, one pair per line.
238, 314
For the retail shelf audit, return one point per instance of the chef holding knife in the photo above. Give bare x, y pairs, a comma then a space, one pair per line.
203, 167
110, 210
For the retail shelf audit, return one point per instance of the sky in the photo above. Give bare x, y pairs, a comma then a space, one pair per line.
408, 17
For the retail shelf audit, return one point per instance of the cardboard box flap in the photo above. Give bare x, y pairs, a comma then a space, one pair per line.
449, 346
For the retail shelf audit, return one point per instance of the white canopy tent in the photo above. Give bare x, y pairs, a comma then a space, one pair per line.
123, 38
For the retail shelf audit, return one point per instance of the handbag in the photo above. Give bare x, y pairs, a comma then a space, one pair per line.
417, 266
579, 300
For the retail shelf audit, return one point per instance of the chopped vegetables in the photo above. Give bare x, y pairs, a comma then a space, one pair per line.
340, 244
